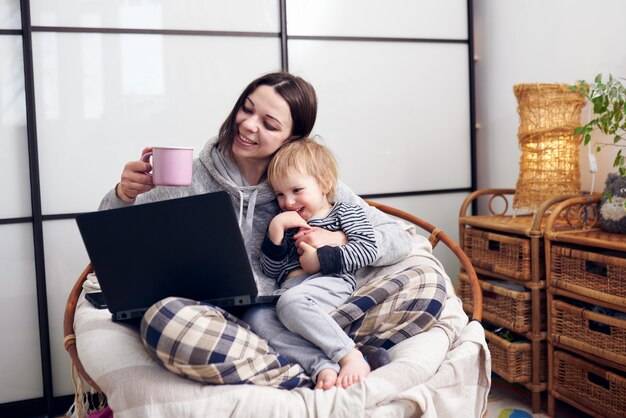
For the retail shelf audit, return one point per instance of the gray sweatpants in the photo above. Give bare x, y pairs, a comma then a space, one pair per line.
300, 326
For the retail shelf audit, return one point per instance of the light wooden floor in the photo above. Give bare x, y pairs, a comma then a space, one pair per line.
505, 395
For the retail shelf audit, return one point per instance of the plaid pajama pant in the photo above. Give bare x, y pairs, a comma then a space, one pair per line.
205, 343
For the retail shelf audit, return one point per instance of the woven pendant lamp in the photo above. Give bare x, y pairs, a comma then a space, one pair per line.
549, 165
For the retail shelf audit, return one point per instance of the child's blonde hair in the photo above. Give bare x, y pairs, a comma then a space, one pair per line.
307, 157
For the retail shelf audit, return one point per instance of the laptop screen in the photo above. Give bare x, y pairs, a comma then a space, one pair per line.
188, 247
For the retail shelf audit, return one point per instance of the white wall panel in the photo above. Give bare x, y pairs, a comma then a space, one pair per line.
432, 19
14, 174
217, 15
10, 17
102, 98
440, 210
65, 258
395, 114
20, 358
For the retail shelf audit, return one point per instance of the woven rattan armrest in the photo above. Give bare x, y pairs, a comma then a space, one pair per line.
69, 340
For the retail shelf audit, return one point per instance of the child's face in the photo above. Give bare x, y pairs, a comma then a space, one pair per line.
303, 194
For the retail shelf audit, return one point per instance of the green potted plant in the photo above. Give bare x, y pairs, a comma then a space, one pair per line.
609, 107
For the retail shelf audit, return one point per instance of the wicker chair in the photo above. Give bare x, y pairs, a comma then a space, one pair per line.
436, 235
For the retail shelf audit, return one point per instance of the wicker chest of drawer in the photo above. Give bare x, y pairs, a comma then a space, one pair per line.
507, 252
586, 279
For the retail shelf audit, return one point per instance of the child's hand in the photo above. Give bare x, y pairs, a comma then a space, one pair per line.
290, 219
319, 237
282, 222
308, 260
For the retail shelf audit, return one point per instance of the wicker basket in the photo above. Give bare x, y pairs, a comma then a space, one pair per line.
504, 254
591, 332
594, 387
513, 361
501, 306
598, 276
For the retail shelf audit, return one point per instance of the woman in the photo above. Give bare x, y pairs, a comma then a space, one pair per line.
274, 109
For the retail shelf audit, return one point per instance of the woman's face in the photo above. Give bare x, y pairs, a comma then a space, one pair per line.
263, 125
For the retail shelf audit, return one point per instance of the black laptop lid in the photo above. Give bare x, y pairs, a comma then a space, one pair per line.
188, 247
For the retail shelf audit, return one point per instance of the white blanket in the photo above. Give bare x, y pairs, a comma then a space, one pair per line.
443, 372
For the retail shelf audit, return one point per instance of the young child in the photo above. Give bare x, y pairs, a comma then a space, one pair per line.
312, 281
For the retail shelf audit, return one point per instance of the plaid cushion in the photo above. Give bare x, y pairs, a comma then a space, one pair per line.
209, 345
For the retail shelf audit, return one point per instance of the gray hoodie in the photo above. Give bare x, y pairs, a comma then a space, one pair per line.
256, 206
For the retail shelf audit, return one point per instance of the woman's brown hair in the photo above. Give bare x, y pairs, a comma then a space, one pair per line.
299, 95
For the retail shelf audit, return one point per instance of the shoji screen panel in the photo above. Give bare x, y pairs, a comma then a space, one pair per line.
20, 361
395, 113
393, 83
104, 97
112, 77
214, 15
65, 255
429, 19
14, 177
10, 14
394, 91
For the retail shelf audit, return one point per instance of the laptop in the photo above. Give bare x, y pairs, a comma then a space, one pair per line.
189, 247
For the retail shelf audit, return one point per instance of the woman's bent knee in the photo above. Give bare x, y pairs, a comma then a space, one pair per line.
168, 326
157, 322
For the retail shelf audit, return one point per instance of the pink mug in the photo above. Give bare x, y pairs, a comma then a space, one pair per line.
171, 166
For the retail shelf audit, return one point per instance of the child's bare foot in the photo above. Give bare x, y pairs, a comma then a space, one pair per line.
353, 369
326, 379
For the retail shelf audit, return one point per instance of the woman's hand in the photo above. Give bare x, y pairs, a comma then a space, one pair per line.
318, 237
134, 179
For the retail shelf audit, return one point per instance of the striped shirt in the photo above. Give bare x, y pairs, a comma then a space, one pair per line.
341, 261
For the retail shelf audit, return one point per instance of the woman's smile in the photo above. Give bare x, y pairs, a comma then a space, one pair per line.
246, 140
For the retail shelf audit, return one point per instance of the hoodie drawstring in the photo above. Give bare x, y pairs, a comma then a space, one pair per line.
240, 207
247, 227
250, 212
